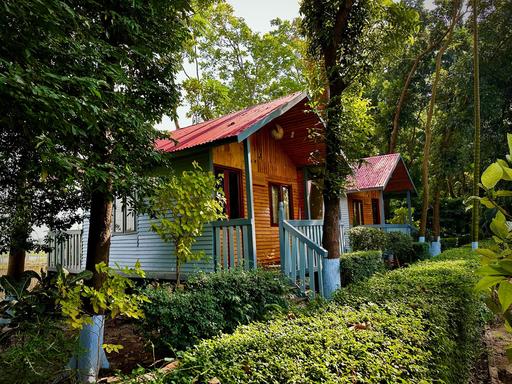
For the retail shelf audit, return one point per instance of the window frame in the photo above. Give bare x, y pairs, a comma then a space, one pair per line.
358, 201
280, 199
124, 209
225, 186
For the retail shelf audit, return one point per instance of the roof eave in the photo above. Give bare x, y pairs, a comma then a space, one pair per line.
271, 116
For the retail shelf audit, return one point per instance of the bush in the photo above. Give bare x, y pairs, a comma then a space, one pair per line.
359, 266
464, 239
400, 246
36, 352
367, 239
421, 251
336, 345
449, 242
415, 325
451, 312
211, 303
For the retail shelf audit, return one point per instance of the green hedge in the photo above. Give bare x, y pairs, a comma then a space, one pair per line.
415, 325
211, 303
400, 246
442, 290
367, 239
421, 251
359, 266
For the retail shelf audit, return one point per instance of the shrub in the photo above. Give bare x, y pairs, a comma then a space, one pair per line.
451, 312
243, 295
421, 251
367, 239
449, 242
358, 266
339, 344
413, 325
210, 304
400, 246
464, 239
36, 352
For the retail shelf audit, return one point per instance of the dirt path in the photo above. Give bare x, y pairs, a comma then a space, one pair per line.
497, 340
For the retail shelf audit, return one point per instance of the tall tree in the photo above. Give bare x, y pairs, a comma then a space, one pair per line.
233, 67
475, 222
348, 38
425, 167
36, 102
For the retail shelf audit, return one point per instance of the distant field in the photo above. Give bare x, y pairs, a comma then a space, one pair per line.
34, 262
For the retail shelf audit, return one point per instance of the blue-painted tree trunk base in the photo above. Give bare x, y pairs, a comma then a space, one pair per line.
421, 239
474, 245
91, 355
331, 276
435, 247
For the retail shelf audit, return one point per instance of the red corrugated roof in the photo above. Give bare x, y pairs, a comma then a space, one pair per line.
226, 126
374, 172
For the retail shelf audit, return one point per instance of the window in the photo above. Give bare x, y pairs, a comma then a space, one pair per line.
375, 211
357, 210
280, 193
123, 220
232, 186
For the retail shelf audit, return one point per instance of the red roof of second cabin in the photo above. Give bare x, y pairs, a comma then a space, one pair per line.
374, 172
227, 126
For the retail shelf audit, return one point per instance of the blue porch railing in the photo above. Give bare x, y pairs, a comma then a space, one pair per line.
302, 253
232, 244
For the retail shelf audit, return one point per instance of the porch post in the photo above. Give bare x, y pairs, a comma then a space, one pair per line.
382, 213
250, 202
409, 211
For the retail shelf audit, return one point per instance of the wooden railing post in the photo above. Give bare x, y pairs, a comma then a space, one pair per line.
250, 202
281, 237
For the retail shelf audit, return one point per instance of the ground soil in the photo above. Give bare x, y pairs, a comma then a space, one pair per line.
136, 351
497, 340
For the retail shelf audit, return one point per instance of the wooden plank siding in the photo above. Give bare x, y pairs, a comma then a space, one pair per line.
157, 258
270, 164
366, 197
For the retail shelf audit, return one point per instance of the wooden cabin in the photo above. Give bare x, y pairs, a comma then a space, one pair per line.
265, 154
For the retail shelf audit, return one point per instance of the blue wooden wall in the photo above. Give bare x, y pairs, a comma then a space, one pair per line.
157, 258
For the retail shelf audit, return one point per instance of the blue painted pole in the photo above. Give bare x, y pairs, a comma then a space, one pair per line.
250, 202
281, 237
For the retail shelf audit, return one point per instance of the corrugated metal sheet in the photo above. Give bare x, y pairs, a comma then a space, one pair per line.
374, 172
224, 127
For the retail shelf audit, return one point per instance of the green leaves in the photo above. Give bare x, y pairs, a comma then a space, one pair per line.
492, 175
183, 206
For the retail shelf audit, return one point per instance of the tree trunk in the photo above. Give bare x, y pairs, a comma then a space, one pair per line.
17, 249
476, 94
331, 229
98, 242
396, 117
436, 217
16, 264
428, 125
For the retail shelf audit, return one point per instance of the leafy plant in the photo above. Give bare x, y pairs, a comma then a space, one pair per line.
36, 352
496, 269
211, 303
400, 246
359, 266
183, 206
421, 251
367, 239
111, 299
